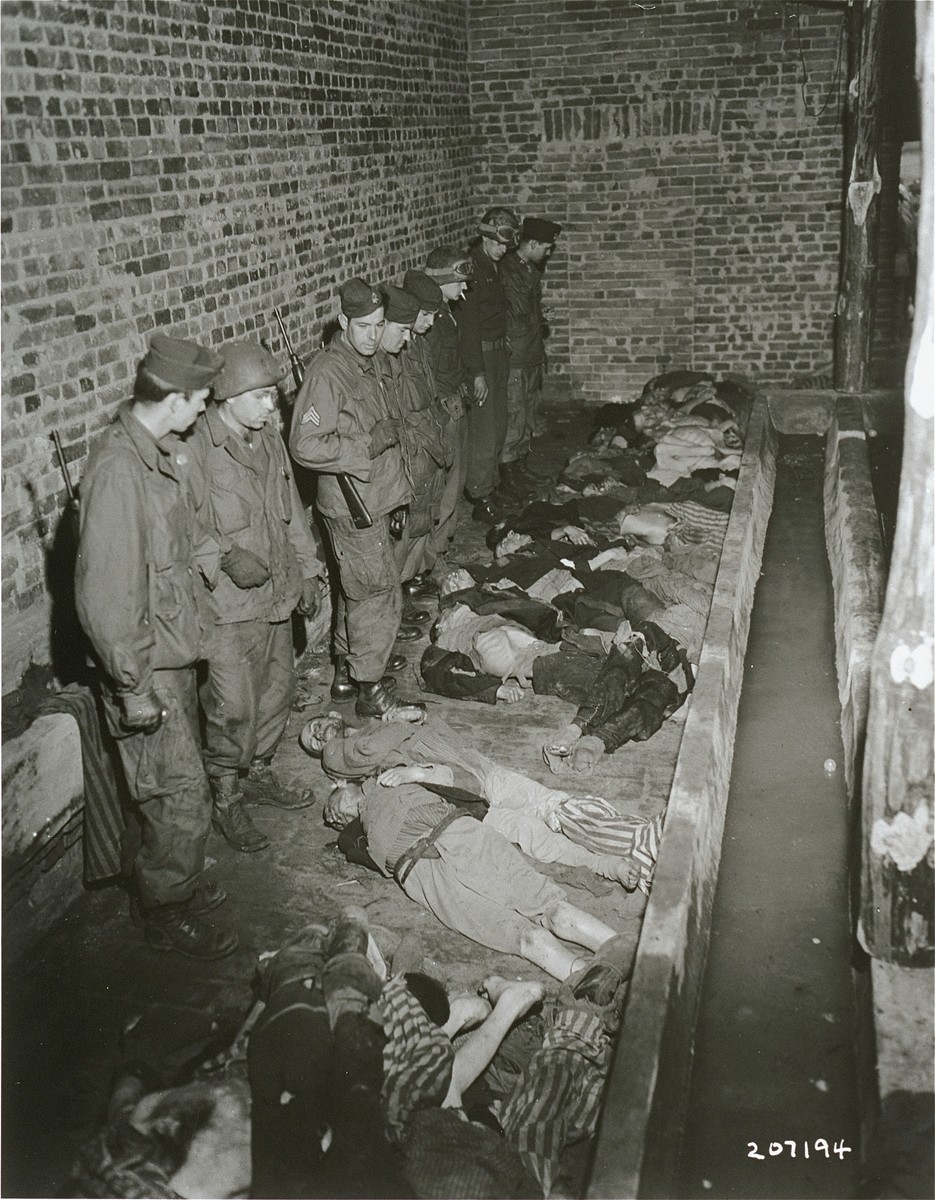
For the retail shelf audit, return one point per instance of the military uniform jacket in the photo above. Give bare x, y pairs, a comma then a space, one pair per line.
443, 345
135, 586
415, 396
347, 392
481, 315
522, 286
245, 496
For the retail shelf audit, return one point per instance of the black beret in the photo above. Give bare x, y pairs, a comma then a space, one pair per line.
425, 290
538, 229
359, 299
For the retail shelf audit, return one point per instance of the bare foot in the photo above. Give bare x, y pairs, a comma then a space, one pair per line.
517, 995
466, 1012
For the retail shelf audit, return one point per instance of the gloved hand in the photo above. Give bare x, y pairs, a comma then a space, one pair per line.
586, 754
310, 603
383, 435
244, 568
399, 519
142, 713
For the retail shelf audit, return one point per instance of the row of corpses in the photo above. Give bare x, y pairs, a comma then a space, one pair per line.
360, 1078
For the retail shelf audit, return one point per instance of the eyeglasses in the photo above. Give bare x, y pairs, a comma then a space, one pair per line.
508, 235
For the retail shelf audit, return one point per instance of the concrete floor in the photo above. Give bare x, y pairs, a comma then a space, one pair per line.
92, 994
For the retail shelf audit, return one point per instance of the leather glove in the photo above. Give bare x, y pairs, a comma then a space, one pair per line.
310, 603
244, 568
383, 435
142, 714
399, 519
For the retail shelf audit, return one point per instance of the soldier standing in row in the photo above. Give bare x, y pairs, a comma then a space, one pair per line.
138, 600
521, 273
268, 566
342, 424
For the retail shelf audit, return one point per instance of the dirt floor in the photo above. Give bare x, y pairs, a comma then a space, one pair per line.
92, 994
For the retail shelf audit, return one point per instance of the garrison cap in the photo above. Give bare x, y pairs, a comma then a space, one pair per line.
401, 308
247, 365
538, 229
180, 364
359, 299
425, 290
447, 264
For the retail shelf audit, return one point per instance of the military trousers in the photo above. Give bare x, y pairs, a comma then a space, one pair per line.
369, 597
166, 779
524, 392
247, 692
487, 426
456, 435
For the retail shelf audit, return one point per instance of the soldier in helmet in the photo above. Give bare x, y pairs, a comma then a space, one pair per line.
267, 565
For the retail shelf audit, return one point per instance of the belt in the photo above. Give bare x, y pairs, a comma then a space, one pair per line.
423, 848
496, 344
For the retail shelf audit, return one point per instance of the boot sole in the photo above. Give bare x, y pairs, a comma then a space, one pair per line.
156, 941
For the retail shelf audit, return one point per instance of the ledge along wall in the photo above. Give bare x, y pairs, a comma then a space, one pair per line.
643, 1106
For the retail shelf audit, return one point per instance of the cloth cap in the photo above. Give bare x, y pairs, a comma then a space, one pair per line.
538, 229
447, 264
183, 365
425, 290
247, 365
359, 299
401, 308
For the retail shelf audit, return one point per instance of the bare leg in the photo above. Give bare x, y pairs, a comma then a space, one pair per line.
546, 951
511, 1001
575, 925
464, 1012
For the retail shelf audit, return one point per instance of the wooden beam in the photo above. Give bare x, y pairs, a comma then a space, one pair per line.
897, 878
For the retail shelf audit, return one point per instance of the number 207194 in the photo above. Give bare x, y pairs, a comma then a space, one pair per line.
817, 1148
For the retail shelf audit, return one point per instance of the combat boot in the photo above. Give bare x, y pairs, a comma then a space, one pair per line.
373, 700
229, 817
342, 686
413, 615
420, 586
261, 785
173, 927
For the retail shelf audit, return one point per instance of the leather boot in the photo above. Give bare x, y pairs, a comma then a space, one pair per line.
537, 478
342, 687
420, 586
413, 615
373, 700
409, 633
229, 816
397, 663
512, 482
262, 785
207, 896
173, 927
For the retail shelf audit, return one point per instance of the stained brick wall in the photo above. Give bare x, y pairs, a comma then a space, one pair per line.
187, 166
692, 150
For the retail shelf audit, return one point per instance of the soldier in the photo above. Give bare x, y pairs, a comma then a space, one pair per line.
268, 567
342, 424
137, 598
482, 321
521, 273
451, 270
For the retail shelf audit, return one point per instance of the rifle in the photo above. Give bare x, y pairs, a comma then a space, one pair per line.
71, 508
352, 497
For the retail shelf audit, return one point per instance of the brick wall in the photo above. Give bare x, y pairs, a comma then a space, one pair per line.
188, 166
692, 150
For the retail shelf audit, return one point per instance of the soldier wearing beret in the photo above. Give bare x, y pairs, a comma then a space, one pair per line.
342, 423
521, 273
482, 319
451, 270
137, 597
267, 566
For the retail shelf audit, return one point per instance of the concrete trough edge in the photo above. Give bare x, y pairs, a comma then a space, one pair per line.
637, 1147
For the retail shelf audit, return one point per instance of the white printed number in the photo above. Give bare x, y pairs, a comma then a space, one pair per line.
817, 1148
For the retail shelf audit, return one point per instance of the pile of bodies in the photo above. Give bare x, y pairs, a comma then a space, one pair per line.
599, 593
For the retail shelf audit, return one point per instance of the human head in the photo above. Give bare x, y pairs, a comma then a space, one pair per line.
401, 311
175, 375
537, 239
317, 732
450, 269
504, 540
361, 316
343, 805
246, 388
430, 298
191, 1141
499, 230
